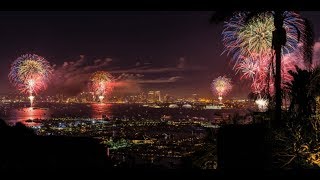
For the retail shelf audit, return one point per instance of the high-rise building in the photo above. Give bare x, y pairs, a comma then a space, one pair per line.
157, 96
151, 96
154, 96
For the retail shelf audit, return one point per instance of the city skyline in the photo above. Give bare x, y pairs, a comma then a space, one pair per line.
141, 97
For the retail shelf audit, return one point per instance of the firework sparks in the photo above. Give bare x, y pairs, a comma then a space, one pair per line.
30, 74
221, 85
262, 103
248, 67
101, 84
244, 39
250, 43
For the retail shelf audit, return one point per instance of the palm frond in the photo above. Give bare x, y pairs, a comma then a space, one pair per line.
309, 42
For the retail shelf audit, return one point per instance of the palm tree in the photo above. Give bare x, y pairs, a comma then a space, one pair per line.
303, 90
278, 40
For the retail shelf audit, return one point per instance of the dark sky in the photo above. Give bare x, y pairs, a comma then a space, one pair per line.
176, 52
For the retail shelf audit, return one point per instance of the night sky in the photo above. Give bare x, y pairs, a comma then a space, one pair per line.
178, 53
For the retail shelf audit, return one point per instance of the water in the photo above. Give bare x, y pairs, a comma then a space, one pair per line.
20, 112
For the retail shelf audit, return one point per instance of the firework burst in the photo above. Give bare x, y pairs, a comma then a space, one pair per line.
244, 39
262, 103
101, 84
30, 74
248, 67
250, 43
221, 86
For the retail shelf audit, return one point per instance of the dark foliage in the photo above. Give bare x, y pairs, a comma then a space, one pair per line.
302, 91
22, 149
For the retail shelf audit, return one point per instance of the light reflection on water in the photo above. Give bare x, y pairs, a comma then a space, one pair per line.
29, 113
13, 113
23, 114
98, 110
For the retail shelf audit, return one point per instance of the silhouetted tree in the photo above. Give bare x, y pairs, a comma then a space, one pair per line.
21, 129
303, 90
22, 148
297, 145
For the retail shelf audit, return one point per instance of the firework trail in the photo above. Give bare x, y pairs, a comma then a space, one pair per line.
101, 84
221, 86
30, 74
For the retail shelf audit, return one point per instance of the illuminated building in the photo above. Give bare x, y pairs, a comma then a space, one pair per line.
151, 96
186, 106
157, 96
173, 106
154, 96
